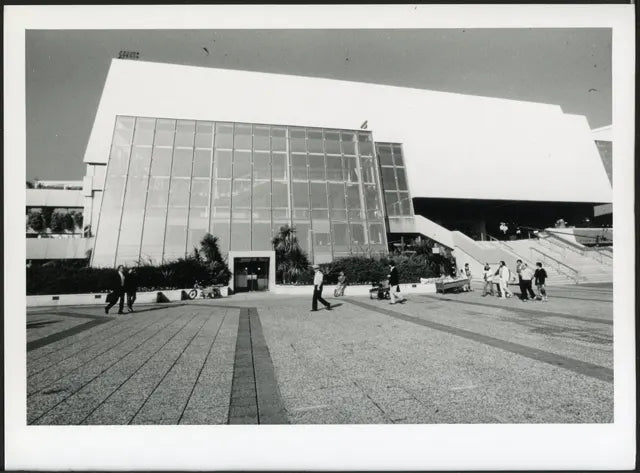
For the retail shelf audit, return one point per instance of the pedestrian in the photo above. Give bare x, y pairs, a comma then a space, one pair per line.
131, 286
467, 272
540, 277
318, 282
118, 288
503, 277
526, 275
394, 283
518, 270
487, 276
342, 283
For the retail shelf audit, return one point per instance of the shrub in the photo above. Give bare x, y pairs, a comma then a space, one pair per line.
35, 221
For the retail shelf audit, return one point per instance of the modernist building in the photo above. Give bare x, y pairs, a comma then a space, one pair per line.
179, 151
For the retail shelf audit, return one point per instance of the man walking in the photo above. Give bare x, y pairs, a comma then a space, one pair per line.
394, 286
487, 276
467, 273
131, 286
518, 270
540, 277
526, 275
118, 291
318, 281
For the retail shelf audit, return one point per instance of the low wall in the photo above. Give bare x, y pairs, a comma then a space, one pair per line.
99, 299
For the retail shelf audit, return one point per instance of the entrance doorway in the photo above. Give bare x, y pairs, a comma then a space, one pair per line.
250, 274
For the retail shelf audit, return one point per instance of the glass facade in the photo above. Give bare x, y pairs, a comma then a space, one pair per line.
397, 199
168, 182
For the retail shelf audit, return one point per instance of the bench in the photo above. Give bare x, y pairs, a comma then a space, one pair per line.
444, 286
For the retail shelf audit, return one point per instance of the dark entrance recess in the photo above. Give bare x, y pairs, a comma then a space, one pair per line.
250, 274
479, 218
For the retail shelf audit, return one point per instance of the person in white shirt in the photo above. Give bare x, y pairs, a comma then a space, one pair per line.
504, 275
527, 275
318, 281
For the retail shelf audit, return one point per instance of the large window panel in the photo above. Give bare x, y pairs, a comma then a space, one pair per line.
279, 194
179, 193
402, 179
202, 163
368, 172
365, 144
261, 165
356, 231
332, 142
144, 131
153, 234
299, 167
278, 139
279, 167
303, 234
334, 168
315, 141
242, 164
376, 233
175, 242
337, 194
182, 161
300, 195
161, 161
221, 196
354, 204
242, 136
318, 195
140, 161
165, 131
261, 194
388, 179
393, 206
109, 223
261, 236
185, 130
405, 203
224, 136
198, 226
348, 142
384, 155
321, 237
397, 155
240, 234
261, 138
200, 189
340, 236
204, 135
130, 235
351, 169
298, 140
372, 202
123, 133
118, 160
241, 194
316, 167
158, 194
221, 228
222, 164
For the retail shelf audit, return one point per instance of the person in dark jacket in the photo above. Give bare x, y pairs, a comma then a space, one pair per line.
118, 289
394, 283
130, 287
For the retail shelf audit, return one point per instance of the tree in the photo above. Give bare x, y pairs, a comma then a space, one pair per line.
29, 185
77, 218
216, 265
35, 221
209, 248
291, 260
57, 222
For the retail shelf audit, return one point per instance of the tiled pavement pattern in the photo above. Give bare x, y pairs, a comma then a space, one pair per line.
262, 358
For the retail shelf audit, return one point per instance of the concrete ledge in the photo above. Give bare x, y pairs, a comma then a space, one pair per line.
355, 290
150, 297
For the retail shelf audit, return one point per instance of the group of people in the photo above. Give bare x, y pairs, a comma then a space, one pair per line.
392, 283
124, 283
526, 278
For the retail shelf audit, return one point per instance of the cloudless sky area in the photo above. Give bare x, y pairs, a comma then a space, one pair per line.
66, 70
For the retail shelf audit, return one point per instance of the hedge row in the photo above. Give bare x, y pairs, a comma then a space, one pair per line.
63, 277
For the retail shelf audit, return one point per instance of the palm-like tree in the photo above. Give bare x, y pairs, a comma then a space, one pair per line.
291, 260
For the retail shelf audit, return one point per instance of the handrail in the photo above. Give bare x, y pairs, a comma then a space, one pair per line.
575, 276
567, 245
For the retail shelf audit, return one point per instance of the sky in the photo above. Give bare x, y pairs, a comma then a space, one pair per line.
66, 70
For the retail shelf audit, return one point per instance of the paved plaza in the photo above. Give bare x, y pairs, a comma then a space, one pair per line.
265, 359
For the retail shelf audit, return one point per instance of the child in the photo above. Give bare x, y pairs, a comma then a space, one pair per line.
540, 276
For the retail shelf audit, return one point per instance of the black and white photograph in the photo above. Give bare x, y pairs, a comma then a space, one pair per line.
219, 215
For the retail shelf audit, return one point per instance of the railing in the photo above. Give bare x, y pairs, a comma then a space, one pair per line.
572, 274
558, 242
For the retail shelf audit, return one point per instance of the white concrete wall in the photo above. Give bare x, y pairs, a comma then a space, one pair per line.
54, 198
58, 248
456, 146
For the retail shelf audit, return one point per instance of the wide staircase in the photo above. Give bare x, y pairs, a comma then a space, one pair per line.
565, 262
